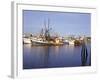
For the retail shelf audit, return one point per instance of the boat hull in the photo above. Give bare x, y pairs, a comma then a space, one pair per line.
26, 41
40, 43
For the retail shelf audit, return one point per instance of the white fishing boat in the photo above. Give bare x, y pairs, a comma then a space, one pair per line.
66, 41
71, 42
45, 37
26, 40
46, 42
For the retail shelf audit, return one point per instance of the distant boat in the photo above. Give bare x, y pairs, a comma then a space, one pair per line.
26, 40
71, 42
65, 41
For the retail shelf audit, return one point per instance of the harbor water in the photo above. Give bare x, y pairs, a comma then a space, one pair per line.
35, 57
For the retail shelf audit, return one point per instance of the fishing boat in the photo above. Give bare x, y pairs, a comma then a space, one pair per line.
71, 42
26, 40
37, 42
45, 37
65, 41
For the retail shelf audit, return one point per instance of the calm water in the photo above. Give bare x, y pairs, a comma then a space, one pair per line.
54, 56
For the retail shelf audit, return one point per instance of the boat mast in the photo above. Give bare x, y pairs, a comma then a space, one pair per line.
48, 32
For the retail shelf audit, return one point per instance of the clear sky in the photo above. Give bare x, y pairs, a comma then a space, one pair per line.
65, 23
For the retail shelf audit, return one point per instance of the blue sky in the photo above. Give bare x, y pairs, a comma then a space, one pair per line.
65, 23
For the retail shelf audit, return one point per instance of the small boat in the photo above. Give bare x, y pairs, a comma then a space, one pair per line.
65, 41
26, 40
71, 42
77, 43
